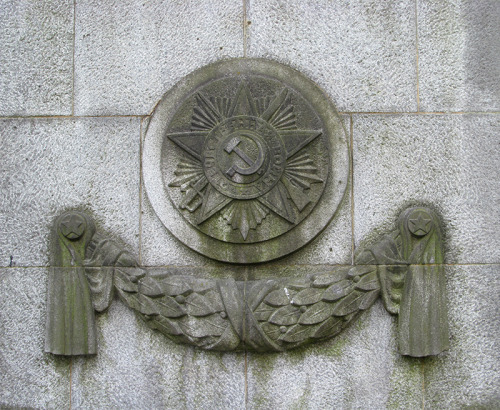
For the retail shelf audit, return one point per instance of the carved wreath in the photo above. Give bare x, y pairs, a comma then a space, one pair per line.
404, 268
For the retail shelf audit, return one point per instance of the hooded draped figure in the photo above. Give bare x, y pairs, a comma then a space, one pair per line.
70, 312
414, 284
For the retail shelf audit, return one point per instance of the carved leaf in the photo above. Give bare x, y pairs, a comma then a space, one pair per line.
123, 283
329, 328
285, 316
338, 290
297, 333
361, 270
277, 298
130, 299
365, 257
323, 280
133, 274
368, 299
307, 296
166, 326
149, 287
263, 312
349, 304
212, 325
369, 282
272, 331
147, 306
214, 300
317, 313
197, 305
168, 307
298, 284
175, 286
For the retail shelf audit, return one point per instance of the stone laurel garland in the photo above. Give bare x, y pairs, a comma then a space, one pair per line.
273, 314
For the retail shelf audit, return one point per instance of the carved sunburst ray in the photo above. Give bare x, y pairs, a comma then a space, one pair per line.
245, 215
187, 170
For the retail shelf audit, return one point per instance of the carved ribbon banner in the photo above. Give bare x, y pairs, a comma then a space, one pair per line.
404, 268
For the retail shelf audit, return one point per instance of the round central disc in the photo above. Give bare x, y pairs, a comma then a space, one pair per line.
245, 160
243, 157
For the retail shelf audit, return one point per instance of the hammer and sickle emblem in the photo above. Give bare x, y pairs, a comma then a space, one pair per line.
254, 165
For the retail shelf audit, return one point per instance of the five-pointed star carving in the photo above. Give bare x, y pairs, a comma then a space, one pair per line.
299, 174
72, 227
420, 225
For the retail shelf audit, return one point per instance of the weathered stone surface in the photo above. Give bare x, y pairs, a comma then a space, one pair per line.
160, 248
360, 369
137, 50
49, 165
459, 55
468, 376
29, 378
138, 368
449, 162
36, 57
245, 160
361, 53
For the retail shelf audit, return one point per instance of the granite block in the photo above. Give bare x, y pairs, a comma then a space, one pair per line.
448, 162
362, 53
52, 165
129, 53
468, 375
137, 367
459, 55
359, 369
36, 57
29, 378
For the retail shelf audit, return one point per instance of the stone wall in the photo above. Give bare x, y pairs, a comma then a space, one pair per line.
417, 83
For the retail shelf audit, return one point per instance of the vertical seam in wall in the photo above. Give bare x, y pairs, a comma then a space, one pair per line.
140, 191
423, 384
416, 55
73, 73
246, 379
351, 160
70, 375
244, 28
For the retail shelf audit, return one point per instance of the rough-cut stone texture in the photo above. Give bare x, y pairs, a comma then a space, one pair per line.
468, 376
450, 162
29, 378
137, 50
360, 368
364, 54
139, 368
361, 52
459, 55
36, 57
50, 165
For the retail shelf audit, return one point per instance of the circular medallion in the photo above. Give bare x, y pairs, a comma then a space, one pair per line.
245, 160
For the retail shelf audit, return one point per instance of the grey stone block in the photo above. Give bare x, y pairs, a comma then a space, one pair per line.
36, 57
29, 378
468, 376
459, 55
50, 165
129, 53
332, 246
139, 368
450, 162
361, 53
358, 369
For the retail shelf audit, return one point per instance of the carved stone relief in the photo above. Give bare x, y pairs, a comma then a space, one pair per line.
246, 161
404, 268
